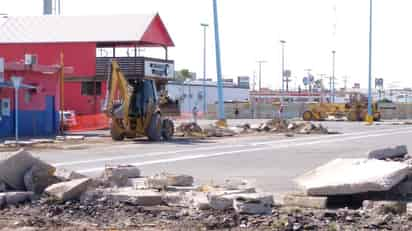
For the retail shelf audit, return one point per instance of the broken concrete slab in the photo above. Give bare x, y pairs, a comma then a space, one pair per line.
253, 203
220, 202
352, 176
164, 180
199, 200
176, 199
135, 197
179, 180
14, 165
385, 207
118, 175
39, 177
14, 198
67, 175
388, 153
138, 183
68, 190
303, 201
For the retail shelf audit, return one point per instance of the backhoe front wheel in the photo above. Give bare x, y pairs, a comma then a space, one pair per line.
154, 131
307, 116
116, 132
168, 129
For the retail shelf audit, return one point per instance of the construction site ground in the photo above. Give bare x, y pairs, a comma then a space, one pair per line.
270, 160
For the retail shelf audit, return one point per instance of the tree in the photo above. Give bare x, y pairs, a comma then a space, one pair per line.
183, 75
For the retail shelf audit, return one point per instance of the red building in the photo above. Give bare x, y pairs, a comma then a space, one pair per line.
32, 46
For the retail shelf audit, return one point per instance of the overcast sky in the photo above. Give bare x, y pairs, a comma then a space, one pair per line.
251, 31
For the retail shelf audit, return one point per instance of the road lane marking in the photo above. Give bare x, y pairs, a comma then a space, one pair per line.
216, 147
273, 147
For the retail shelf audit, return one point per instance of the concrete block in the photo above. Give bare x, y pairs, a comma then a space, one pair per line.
385, 207
388, 153
182, 188
14, 198
136, 197
14, 165
138, 183
164, 180
68, 190
305, 201
175, 199
253, 203
118, 175
409, 208
220, 202
199, 201
39, 177
179, 180
352, 176
66, 175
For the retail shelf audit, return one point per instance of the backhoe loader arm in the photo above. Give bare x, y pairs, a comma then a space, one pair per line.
118, 82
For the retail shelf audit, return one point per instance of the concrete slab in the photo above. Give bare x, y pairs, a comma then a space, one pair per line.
305, 201
14, 165
352, 176
118, 175
39, 177
68, 190
136, 197
387, 153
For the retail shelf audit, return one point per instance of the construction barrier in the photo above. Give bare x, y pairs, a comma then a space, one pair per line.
90, 122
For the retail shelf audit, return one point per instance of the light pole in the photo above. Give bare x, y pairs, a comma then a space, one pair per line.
370, 65
260, 73
204, 25
16, 84
333, 77
218, 63
282, 42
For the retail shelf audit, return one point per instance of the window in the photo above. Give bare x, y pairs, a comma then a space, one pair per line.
91, 88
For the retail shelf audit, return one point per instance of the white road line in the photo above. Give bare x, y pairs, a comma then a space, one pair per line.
272, 147
216, 147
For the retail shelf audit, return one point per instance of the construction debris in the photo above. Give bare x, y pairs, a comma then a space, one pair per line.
189, 129
68, 190
389, 153
13, 167
352, 176
118, 176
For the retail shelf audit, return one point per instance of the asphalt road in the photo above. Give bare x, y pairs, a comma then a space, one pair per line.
270, 161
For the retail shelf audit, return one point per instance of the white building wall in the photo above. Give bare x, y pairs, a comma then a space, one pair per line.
190, 95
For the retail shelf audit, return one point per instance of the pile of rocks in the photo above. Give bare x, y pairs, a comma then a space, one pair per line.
24, 178
285, 126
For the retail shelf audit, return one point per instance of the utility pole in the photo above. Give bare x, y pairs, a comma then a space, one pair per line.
218, 64
370, 65
282, 42
254, 81
204, 25
345, 82
333, 76
260, 73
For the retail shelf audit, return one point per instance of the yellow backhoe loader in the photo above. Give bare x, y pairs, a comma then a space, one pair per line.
133, 106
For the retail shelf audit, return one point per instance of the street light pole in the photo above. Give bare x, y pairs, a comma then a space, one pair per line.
204, 25
333, 76
283, 65
260, 73
370, 64
218, 63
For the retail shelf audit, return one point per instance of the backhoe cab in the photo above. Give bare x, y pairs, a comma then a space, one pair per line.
133, 106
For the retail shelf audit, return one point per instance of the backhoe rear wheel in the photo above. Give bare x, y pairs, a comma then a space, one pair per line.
307, 116
154, 131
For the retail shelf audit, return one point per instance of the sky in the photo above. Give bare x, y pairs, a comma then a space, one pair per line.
251, 31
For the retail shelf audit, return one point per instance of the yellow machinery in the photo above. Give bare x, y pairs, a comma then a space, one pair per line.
133, 107
321, 111
355, 110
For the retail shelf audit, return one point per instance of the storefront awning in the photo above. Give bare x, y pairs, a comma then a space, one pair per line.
10, 85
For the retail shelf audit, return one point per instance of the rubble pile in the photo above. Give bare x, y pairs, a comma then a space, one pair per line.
370, 193
285, 126
188, 129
